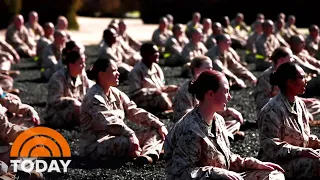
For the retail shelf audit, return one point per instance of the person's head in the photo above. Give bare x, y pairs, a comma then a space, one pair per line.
207, 24
196, 35
33, 17
72, 46
223, 42
196, 17
297, 43
314, 31
290, 78
116, 21
280, 24
225, 21
122, 27
170, 18
149, 53
258, 26
114, 26
18, 21
110, 36
75, 61
216, 28
211, 88
104, 72
267, 27
59, 38
62, 23
281, 55
260, 17
200, 64
178, 30
48, 29
281, 16
239, 18
163, 23
291, 19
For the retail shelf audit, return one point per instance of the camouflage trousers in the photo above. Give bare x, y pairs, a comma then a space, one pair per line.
119, 146
6, 82
262, 175
21, 121
153, 102
301, 168
66, 116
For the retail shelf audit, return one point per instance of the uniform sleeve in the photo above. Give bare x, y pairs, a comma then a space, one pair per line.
182, 104
262, 91
48, 58
185, 156
56, 93
133, 42
107, 118
13, 38
173, 47
240, 164
8, 131
15, 106
313, 61
270, 124
138, 115
7, 47
187, 54
135, 84
237, 68
157, 39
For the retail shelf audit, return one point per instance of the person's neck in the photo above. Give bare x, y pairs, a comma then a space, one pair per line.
147, 63
106, 88
195, 43
221, 50
207, 113
72, 73
290, 96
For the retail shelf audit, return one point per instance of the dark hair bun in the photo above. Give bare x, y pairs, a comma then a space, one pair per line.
274, 79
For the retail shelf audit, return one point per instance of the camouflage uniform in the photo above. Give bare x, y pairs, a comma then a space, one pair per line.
51, 61
242, 26
20, 40
190, 51
132, 42
206, 35
265, 47
42, 44
196, 150
143, 84
228, 60
284, 132
62, 94
6, 50
160, 38
211, 41
251, 47
184, 102
104, 133
6, 82
174, 47
190, 26
116, 54
35, 31
264, 91
312, 45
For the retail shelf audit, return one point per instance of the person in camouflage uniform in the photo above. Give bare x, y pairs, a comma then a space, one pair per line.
238, 37
18, 37
66, 90
284, 132
174, 46
45, 40
281, 33
312, 40
127, 38
197, 147
265, 45
184, 102
238, 23
110, 49
225, 61
52, 55
251, 42
62, 25
193, 24
8, 56
291, 27
216, 30
195, 47
264, 91
33, 26
206, 29
147, 84
161, 34
104, 133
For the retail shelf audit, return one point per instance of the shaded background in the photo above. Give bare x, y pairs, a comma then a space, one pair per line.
151, 10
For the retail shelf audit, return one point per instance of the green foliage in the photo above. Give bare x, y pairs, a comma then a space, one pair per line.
72, 14
14, 6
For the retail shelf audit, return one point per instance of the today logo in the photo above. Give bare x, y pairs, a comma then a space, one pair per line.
40, 142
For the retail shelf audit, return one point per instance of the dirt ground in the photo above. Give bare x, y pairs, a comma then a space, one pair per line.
34, 91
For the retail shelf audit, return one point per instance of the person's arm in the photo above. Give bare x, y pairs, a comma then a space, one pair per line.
9, 132
135, 84
270, 130
182, 104
138, 115
262, 92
